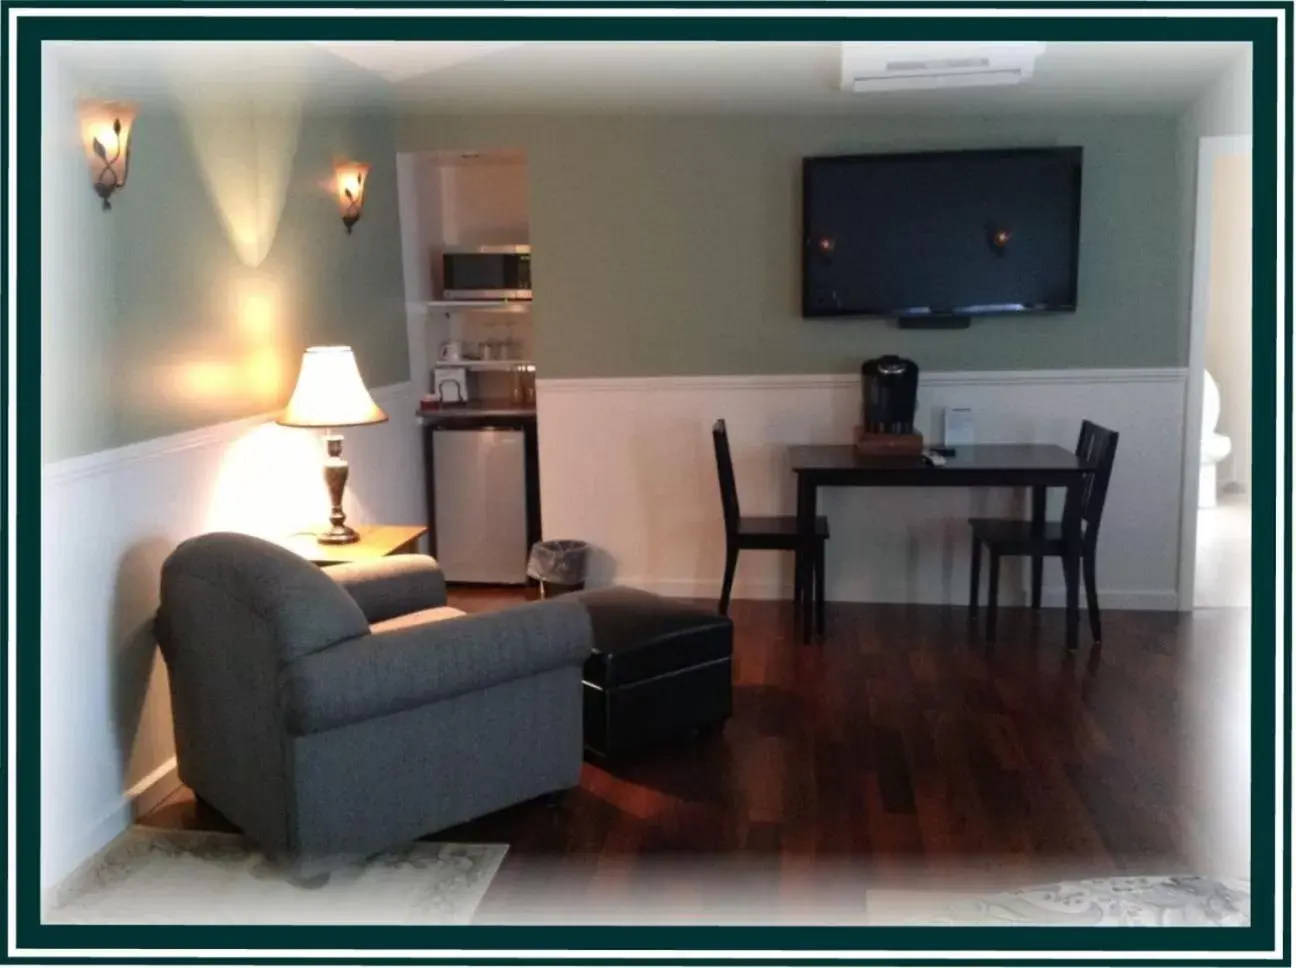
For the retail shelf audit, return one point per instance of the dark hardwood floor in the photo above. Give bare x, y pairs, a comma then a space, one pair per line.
902, 749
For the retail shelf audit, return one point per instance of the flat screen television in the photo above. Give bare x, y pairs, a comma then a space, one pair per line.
935, 238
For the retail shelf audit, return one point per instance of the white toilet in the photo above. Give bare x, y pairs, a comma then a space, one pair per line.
1214, 447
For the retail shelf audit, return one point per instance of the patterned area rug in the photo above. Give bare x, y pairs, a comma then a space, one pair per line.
1182, 901
149, 876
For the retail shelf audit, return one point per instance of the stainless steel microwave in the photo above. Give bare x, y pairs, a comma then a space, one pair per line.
487, 272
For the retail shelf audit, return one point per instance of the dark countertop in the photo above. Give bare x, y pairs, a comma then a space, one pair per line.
477, 408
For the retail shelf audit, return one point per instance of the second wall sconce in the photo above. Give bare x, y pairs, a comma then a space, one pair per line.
105, 133
351, 177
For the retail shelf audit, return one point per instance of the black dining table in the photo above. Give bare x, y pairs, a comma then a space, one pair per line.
1034, 466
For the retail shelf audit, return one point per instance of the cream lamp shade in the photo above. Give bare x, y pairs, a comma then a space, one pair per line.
330, 392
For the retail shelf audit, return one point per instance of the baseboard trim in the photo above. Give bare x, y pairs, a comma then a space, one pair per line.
827, 381
151, 791
686, 588
1133, 601
391, 398
1143, 601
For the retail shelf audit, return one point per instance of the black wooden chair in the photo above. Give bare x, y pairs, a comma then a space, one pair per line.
1015, 538
764, 534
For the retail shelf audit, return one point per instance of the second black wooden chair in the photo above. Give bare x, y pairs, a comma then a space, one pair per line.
1015, 538
765, 534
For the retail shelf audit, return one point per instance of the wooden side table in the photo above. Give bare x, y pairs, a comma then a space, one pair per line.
376, 541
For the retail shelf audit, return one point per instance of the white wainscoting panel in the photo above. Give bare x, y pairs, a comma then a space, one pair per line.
108, 520
627, 464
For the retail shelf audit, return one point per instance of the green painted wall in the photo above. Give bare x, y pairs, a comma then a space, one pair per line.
164, 314
669, 244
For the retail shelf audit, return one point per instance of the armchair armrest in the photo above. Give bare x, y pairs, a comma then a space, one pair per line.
388, 672
392, 586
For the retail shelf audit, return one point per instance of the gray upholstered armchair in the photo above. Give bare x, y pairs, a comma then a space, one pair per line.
344, 711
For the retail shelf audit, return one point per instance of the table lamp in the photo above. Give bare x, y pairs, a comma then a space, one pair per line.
330, 394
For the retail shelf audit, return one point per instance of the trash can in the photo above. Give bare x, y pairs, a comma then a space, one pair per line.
559, 566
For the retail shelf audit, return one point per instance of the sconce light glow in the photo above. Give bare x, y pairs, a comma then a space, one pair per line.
351, 177
105, 133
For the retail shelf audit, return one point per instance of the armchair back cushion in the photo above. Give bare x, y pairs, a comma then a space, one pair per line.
301, 609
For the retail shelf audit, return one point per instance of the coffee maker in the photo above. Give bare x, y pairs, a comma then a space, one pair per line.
890, 395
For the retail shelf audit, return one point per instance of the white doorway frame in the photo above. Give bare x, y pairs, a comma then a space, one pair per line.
1209, 151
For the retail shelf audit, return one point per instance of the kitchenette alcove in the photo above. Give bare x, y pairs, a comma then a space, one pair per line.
466, 247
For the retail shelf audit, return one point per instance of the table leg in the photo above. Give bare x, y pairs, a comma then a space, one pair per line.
805, 554
1071, 566
1039, 505
820, 582
799, 571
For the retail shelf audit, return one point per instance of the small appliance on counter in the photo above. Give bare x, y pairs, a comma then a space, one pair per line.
450, 385
452, 351
487, 272
889, 392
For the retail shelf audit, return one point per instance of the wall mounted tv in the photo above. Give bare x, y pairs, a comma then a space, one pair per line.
936, 238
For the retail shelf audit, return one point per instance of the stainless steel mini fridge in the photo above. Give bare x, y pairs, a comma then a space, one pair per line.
480, 480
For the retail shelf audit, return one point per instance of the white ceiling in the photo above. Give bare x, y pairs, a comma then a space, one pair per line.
624, 76
399, 61
703, 76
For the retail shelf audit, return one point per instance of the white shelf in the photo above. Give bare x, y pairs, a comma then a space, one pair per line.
479, 305
484, 364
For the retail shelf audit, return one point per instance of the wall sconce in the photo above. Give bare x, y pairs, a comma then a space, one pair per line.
105, 132
351, 177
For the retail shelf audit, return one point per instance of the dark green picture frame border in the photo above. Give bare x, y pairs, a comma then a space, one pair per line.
880, 945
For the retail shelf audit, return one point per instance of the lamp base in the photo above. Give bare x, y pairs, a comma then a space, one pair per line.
336, 470
338, 535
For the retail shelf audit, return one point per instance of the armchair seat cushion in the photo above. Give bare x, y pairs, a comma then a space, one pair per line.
425, 616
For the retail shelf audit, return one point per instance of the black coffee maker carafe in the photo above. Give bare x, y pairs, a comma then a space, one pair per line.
890, 392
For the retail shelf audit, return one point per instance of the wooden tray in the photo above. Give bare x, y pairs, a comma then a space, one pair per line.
887, 445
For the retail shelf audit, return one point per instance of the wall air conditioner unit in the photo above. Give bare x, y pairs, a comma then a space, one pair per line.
870, 67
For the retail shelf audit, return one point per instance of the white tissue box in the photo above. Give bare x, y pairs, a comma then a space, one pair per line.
958, 428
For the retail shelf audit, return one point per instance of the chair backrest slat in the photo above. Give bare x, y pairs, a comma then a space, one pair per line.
1096, 448
725, 473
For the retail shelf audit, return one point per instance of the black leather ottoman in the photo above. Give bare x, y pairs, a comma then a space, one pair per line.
661, 670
